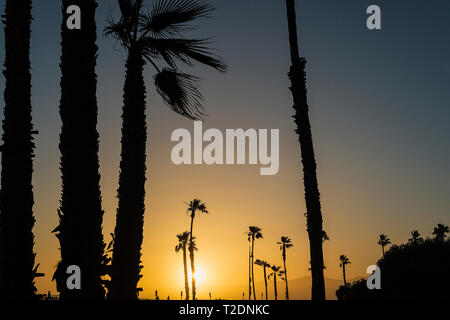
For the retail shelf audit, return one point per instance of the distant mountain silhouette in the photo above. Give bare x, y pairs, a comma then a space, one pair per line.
299, 289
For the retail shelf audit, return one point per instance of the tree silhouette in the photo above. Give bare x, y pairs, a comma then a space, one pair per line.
297, 77
383, 240
249, 268
411, 271
150, 37
285, 244
440, 232
194, 207
344, 261
274, 274
183, 239
415, 237
80, 215
17, 258
253, 234
265, 265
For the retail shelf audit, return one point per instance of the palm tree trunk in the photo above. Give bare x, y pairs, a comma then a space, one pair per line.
345, 279
285, 276
265, 280
16, 196
312, 196
382, 249
275, 286
191, 256
249, 273
80, 214
253, 273
186, 278
125, 273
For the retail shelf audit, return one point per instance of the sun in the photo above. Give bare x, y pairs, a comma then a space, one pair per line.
200, 275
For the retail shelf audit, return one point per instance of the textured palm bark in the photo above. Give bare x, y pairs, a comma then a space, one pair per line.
126, 264
80, 229
16, 196
312, 196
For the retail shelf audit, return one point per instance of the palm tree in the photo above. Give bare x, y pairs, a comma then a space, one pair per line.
440, 232
285, 244
249, 268
17, 258
297, 76
253, 234
80, 214
415, 237
192, 247
275, 272
383, 240
183, 239
194, 207
265, 265
344, 261
153, 37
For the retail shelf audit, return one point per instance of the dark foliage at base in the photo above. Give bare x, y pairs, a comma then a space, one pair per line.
408, 271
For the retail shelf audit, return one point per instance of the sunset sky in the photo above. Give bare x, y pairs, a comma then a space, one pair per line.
379, 108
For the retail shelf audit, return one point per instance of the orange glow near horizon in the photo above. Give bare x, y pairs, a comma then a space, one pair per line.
381, 154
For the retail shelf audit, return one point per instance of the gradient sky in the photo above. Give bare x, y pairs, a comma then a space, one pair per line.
379, 105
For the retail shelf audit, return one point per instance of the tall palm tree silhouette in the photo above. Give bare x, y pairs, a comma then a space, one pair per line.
274, 274
150, 37
297, 77
344, 261
80, 215
285, 244
383, 240
249, 268
253, 234
183, 239
265, 265
194, 207
415, 237
440, 232
17, 258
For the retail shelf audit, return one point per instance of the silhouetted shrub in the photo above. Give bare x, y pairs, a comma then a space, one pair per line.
408, 271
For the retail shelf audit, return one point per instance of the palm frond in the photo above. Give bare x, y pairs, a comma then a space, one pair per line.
179, 91
169, 17
118, 30
125, 29
184, 50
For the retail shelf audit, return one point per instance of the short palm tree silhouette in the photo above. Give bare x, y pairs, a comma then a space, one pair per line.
415, 237
253, 234
183, 239
440, 232
265, 265
153, 37
195, 207
344, 261
383, 240
285, 244
274, 274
